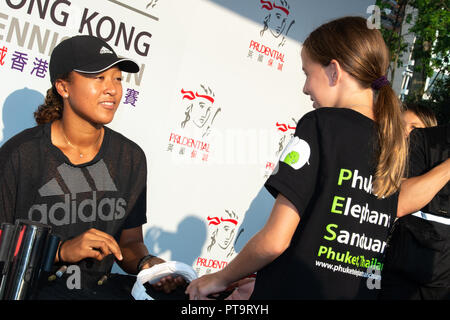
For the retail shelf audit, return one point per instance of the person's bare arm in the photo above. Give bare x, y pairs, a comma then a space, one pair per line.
265, 246
417, 192
133, 249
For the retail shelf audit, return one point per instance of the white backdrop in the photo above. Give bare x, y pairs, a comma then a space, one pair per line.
217, 99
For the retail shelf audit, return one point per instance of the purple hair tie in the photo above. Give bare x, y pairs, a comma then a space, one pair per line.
380, 83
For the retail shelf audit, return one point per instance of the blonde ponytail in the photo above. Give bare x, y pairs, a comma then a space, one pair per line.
392, 144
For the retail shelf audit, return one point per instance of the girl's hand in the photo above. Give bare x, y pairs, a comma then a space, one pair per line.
200, 288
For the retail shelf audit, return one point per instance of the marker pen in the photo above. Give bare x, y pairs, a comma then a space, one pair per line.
102, 280
59, 273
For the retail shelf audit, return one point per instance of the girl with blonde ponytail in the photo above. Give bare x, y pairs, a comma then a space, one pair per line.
363, 54
336, 184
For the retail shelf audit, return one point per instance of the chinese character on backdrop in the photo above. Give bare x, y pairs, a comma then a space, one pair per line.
19, 60
40, 67
131, 97
3, 52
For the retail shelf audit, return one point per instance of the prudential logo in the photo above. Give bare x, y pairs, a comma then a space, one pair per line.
87, 208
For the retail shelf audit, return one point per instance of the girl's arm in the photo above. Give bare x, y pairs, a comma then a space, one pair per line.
417, 192
264, 247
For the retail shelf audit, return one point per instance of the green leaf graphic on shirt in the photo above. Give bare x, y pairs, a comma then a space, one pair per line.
292, 158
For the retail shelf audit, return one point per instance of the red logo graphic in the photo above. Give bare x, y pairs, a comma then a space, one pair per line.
200, 111
215, 221
191, 96
271, 5
286, 132
277, 21
283, 127
223, 231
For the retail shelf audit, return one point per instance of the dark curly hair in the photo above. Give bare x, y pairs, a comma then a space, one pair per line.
52, 108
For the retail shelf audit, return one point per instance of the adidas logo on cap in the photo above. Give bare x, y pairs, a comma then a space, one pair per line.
105, 50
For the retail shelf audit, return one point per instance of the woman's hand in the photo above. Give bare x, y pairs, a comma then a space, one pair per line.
166, 284
93, 243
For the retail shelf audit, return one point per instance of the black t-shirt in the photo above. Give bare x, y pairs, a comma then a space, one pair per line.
430, 147
418, 254
38, 182
326, 171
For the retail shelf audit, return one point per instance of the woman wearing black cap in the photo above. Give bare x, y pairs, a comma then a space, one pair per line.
85, 180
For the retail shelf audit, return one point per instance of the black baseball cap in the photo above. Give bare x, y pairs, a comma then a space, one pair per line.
87, 54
